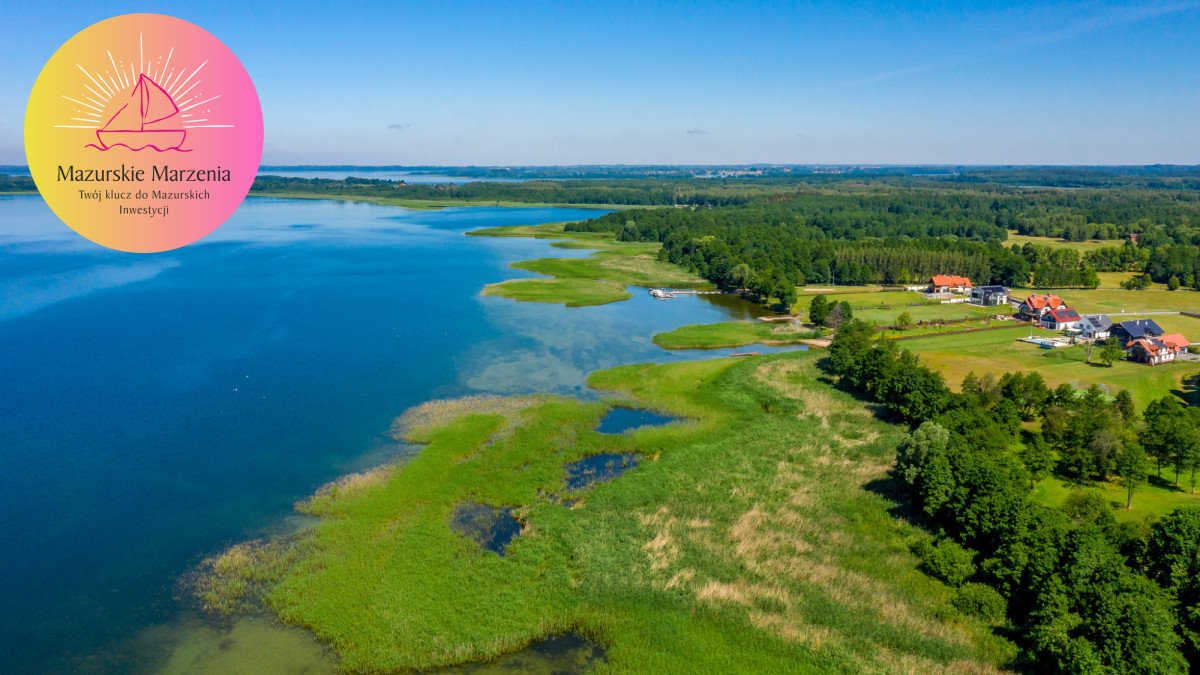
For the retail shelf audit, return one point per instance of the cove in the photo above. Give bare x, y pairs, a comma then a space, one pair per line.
159, 408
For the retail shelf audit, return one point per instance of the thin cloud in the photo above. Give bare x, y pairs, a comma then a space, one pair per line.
1065, 30
399, 126
1111, 18
696, 132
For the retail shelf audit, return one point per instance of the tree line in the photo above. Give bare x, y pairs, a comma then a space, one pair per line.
1080, 591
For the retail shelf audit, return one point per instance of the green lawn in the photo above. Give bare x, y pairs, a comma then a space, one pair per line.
998, 352
1113, 301
929, 313
745, 540
1153, 500
732, 334
1052, 242
595, 280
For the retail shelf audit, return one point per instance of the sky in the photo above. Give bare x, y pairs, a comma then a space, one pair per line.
495, 83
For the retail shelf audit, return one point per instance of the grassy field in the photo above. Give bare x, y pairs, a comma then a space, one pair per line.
998, 352
1091, 244
1113, 301
732, 334
1149, 501
746, 539
596, 280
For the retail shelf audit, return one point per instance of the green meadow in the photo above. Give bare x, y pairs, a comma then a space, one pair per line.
998, 351
733, 334
749, 537
598, 279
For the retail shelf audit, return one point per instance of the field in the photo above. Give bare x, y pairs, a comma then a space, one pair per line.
747, 539
732, 334
1149, 501
1051, 242
998, 352
595, 280
1114, 301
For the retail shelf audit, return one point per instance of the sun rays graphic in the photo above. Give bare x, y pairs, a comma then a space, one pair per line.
147, 103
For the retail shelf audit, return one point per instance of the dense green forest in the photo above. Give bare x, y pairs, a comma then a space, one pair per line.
615, 192
1083, 592
779, 227
866, 234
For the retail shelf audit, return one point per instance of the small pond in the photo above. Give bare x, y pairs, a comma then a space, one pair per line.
598, 468
565, 654
620, 420
492, 527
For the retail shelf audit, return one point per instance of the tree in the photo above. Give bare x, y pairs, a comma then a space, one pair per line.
1131, 465
818, 310
1038, 459
847, 311
1173, 283
835, 316
1172, 559
904, 321
1111, 352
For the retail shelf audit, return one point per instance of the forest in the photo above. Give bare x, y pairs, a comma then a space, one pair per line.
1082, 591
891, 235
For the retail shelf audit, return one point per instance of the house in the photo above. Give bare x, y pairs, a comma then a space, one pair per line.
1061, 319
1156, 350
948, 283
989, 296
1035, 306
1136, 329
1095, 326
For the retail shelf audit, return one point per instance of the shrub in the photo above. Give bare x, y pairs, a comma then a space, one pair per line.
949, 562
980, 601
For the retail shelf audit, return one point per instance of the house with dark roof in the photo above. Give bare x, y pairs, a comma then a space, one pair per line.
1136, 329
1155, 350
1095, 326
989, 296
1035, 306
948, 283
1061, 319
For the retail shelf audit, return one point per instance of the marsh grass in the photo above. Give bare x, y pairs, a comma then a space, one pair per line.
230, 583
733, 334
744, 541
596, 280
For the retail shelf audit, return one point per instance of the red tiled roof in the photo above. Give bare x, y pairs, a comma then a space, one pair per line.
1040, 301
1176, 340
1064, 314
949, 280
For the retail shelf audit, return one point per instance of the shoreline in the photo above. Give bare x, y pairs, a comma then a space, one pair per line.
466, 447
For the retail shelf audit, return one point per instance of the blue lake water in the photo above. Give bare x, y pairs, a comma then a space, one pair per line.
156, 408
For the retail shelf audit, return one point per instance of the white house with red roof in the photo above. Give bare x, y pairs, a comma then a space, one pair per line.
1035, 306
1156, 350
948, 283
1063, 319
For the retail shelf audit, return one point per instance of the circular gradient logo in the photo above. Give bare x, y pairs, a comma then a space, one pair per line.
143, 133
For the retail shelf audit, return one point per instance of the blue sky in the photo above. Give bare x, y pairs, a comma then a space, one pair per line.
661, 82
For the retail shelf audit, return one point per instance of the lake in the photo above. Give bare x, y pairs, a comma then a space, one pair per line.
157, 408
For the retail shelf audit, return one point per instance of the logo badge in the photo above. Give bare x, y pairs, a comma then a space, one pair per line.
143, 133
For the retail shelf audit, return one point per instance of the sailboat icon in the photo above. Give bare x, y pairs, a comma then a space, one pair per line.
149, 119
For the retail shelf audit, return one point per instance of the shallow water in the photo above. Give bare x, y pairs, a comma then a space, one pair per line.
598, 469
492, 527
620, 419
157, 408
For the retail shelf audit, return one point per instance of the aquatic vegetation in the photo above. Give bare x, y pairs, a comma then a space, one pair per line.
598, 469
492, 527
228, 583
750, 535
734, 334
596, 280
